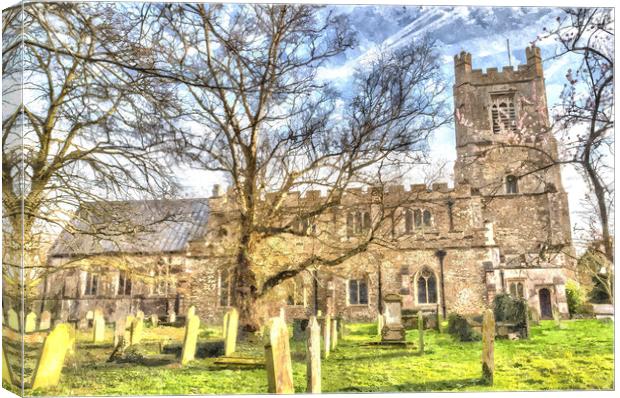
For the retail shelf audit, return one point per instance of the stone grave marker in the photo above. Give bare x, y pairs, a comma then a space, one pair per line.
82, 324
89, 315
334, 334
119, 331
488, 349
393, 330
225, 323
191, 311
13, 319
380, 324
31, 322
154, 320
421, 332
327, 329
191, 338
135, 334
46, 320
555, 312
140, 314
232, 328
51, 361
278, 358
313, 356
283, 314
342, 329
172, 317
299, 329
98, 328
129, 319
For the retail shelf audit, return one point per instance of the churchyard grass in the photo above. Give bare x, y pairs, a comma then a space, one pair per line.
577, 357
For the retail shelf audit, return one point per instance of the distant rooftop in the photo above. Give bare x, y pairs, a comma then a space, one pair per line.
133, 227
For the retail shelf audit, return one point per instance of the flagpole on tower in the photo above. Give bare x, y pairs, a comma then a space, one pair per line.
508, 49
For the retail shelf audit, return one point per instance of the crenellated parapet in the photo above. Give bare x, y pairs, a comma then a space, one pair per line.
464, 74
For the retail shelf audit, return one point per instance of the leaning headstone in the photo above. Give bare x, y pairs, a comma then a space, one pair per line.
334, 334
46, 320
191, 311
327, 329
31, 322
47, 372
98, 328
313, 356
191, 338
278, 358
379, 324
135, 334
172, 317
119, 331
488, 343
154, 320
230, 341
225, 323
13, 319
421, 332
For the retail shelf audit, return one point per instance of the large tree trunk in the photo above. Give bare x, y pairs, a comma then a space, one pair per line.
246, 292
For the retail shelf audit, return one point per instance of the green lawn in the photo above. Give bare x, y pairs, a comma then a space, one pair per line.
577, 357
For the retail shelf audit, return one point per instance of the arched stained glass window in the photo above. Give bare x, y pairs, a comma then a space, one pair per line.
427, 287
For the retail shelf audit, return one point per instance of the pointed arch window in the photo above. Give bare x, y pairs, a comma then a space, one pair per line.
503, 113
426, 218
417, 217
427, 287
512, 184
408, 221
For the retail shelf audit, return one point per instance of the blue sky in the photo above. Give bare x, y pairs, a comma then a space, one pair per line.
482, 31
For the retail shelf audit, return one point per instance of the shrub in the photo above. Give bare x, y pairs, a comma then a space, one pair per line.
510, 310
574, 297
459, 328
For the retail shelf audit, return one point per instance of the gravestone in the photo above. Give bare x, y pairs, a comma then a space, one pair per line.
129, 319
232, 327
47, 371
46, 320
327, 329
557, 317
13, 319
313, 356
89, 315
393, 330
191, 338
225, 323
535, 316
278, 358
154, 320
82, 324
334, 334
31, 322
135, 334
98, 328
299, 329
342, 329
172, 317
140, 314
97, 313
191, 311
119, 331
283, 314
488, 349
380, 324
421, 332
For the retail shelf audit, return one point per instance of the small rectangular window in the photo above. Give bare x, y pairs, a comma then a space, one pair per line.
358, 292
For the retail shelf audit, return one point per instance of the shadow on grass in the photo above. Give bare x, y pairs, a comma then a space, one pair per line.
439, 385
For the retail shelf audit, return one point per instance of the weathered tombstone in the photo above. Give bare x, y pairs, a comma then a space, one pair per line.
7, 372
334, 334
327, 329
225, 323
191, 311
47, 372
488, 349
119, 331
98, 328
135, 334
556, 317
437, 320
172, 317
140, 314
313, 356
97, 313
31, 322
283, 314
278, 358
89, 315
299, 329
191, 338
393, 330
380, 321
421, 332
230, 341
82, 324
342, 329
535, 316
129, 319
154, 320
13, 319
46, 320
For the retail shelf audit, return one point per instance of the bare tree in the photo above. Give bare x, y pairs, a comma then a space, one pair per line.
84, 131
255, 111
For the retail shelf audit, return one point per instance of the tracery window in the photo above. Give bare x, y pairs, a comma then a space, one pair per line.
358, 291
427, 287
516, 289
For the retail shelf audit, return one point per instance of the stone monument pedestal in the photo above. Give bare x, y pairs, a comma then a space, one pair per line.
393, 331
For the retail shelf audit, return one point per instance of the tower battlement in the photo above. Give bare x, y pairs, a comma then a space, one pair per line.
465, 74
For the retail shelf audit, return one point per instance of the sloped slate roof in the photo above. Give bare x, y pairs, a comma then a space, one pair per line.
150, 226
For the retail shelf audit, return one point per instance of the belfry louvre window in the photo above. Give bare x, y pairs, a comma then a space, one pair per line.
427, 287
358, 291
358, 222
225, 288
503, 114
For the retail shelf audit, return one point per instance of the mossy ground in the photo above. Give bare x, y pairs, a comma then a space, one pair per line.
580, 356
